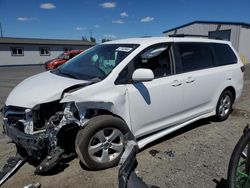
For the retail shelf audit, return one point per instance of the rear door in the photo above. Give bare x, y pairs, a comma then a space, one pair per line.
201, 78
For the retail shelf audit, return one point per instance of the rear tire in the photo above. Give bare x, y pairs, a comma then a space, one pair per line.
99, 145
224, 105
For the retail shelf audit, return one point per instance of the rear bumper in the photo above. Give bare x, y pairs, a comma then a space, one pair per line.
36, 146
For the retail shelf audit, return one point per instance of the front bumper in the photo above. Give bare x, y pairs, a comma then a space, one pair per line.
36, 145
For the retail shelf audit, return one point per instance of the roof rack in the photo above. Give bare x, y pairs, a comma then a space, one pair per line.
193, 35
188, 35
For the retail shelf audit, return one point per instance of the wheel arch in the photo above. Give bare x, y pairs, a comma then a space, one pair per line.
98, 112
232, 90
91, 112
218, 94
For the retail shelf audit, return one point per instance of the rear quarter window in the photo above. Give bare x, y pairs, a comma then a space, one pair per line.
224, 54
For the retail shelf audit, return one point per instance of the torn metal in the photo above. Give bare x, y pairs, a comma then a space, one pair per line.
13, 163
41, 144
36, 185
127, 178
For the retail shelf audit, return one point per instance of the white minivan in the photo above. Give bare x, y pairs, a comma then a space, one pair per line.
147, 86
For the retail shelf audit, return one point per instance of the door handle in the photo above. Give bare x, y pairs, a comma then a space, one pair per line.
189, 80
176, 83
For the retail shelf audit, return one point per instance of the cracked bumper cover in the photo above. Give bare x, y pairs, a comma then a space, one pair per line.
35, 145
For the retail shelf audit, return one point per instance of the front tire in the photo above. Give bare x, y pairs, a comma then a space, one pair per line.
224, 105
100, 144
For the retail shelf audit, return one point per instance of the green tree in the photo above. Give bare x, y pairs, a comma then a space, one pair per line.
84, 38
92, 39
105, 40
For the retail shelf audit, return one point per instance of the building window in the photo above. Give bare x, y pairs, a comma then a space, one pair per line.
44, 51
67, 49
221, 34
17, 51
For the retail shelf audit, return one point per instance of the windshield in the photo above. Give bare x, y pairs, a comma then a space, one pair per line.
97, 62
61, 56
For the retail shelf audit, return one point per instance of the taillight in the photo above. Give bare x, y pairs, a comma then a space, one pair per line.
243, 68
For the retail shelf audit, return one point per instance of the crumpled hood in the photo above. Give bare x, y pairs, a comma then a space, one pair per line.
41, 88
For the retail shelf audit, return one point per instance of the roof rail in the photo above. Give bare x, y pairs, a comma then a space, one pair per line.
193, 35
188, 35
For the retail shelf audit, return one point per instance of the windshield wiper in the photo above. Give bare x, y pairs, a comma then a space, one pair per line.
67, 74
95, 80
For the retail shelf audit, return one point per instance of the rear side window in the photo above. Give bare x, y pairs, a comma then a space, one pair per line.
224, 54
195, 56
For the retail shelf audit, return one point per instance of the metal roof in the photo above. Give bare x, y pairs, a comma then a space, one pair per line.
10, 40
209, 22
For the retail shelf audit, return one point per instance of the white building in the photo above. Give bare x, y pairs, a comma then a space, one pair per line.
27, 51
236, 32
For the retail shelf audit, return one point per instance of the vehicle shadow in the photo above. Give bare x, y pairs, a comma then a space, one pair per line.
144, 92
190, 127
220, 184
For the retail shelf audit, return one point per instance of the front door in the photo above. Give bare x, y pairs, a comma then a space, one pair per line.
155, 104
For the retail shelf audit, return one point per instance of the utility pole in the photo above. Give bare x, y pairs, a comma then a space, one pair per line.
1, 30
90, 32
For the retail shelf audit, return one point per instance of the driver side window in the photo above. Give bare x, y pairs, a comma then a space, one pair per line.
156, 58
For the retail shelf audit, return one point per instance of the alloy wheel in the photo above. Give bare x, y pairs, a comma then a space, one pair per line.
225, 105
106, 145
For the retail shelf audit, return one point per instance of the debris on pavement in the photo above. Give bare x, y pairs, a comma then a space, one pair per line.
170, 153
36, 185
153, 152
13, 163
160, 155
52, 160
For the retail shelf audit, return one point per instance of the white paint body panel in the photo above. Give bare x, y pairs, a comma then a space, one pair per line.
154, 105
164, 104
38, 89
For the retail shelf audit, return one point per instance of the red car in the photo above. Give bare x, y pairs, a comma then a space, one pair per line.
64, 57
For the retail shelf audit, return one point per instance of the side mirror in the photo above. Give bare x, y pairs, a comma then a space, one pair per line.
142, 75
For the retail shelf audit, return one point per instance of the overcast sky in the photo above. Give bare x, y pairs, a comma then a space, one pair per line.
72, 19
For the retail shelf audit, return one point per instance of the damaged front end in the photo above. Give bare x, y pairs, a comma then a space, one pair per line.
45, 133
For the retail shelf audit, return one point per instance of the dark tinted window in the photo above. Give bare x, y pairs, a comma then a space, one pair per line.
224, 54
195, 56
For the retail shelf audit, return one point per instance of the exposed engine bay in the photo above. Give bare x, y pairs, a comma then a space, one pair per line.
44, 132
